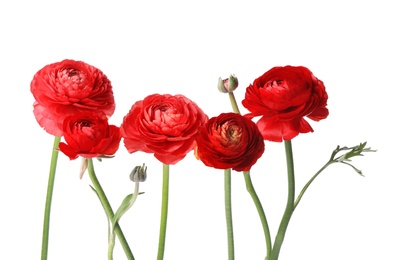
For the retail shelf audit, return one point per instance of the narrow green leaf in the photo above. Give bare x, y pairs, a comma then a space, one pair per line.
126, 204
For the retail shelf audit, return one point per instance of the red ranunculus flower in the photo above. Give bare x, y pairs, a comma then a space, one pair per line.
67, 87
165, 125
88, 134
229, 141
283, 96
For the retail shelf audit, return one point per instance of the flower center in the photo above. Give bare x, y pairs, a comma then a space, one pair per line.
165, 115
75, 76
277, 85
83, 124
233, 133
86, 128
71, 82
230, 134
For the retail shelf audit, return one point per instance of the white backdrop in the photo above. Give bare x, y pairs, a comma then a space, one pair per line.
182, 47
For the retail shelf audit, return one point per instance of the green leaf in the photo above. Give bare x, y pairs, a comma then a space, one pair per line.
351, 152
126, 204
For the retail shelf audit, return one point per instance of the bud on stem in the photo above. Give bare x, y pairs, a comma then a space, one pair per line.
138, 174
228, 85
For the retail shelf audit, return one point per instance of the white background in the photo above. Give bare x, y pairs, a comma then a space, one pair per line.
182, 47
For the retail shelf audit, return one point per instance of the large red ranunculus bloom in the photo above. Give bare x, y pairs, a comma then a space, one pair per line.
67, 87
88, 134
283, 96
229, 141
165, 125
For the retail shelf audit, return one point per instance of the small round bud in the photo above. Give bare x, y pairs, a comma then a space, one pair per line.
228, 85
138, 174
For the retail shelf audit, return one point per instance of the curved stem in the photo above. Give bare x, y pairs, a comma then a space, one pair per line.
233, 102
135, 193
48, 201
164, 211
260, 210
229, 218
309, 183
108, 210
289, 205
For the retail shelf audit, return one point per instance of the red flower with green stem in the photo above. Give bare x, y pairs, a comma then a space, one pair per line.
283, 96
166, 126
62, 89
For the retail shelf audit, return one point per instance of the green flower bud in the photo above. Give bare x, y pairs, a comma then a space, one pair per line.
228, 85
138, 174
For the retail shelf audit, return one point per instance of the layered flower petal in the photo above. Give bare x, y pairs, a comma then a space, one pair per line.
88, 134
283, 96
164, 125
68, 87
229, 141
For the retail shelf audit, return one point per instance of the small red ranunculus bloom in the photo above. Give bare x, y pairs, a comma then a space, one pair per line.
88, 134
165, 125
283, 96
229, 141
67, 87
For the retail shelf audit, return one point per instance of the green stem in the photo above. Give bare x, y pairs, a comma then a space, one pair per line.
229, 218
309, 183
111, 245
233, 102
108, 210
48, 201
164, 211
117, 217
289, 205
260, 210
135, 193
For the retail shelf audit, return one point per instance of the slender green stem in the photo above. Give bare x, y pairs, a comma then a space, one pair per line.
135, 193
309, 183
229, 218
233, 102
260, 210
252, 192
108, 210
48, 201
289, 205
111, 245
164, 211
117, 216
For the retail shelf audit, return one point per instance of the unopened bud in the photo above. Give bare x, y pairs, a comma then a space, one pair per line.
84, 166
138, 174
228, 85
